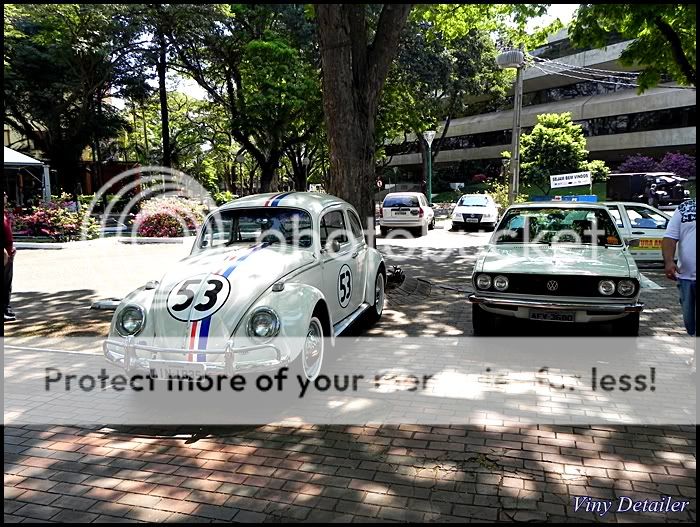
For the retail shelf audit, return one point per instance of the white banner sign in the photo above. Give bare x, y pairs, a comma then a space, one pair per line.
574, 179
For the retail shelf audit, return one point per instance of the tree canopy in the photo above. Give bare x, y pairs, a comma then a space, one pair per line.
664, 37
555, 146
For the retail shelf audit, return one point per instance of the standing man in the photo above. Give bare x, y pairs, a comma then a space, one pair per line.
681, 232
9, 259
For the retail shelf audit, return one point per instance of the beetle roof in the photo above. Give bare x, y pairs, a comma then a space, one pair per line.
312, 202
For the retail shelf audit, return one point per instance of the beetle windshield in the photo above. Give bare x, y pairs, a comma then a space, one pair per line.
268, 224
473, 201
553, 225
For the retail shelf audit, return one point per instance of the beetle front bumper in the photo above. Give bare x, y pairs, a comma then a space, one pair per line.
125, 354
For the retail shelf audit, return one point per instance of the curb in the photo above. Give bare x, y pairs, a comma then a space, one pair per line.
143, 241
37, 245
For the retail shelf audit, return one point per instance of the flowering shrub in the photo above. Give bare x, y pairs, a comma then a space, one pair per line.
169, 217
638, 163
680, 164
59, 219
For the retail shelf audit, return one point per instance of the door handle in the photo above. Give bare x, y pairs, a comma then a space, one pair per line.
637, 232
354, 255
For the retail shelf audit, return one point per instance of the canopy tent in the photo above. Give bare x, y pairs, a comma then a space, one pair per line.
18, 161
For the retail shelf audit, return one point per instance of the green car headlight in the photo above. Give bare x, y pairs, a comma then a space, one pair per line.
130, 320
483, 281
606, 287
626, 287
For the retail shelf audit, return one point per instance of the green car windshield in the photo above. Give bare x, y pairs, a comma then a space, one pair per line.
245, 226
552, 225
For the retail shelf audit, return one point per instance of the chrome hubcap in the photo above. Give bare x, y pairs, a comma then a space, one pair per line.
312, 355
379, 294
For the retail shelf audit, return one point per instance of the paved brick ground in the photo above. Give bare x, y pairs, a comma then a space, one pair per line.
503, 472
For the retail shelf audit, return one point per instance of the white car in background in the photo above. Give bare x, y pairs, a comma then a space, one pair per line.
475, 210
643, 222
406, 210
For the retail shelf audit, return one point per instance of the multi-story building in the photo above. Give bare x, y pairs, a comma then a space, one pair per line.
617, 122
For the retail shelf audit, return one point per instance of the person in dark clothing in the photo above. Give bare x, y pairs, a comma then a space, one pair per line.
9, 258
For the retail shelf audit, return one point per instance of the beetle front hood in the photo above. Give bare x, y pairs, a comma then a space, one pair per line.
205, 295
555, 260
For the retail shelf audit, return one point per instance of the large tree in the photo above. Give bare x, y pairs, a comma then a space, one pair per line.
355, 56
664, 37
358, 44
61, 63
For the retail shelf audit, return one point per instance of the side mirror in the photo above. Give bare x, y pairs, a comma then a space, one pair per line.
332, 246
633, 242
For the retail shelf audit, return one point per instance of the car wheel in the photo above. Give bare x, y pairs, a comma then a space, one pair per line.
383, 231
483, 322
375, 312
431, 225
308, 363
627, 326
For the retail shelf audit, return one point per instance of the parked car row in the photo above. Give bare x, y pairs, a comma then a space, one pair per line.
271, 277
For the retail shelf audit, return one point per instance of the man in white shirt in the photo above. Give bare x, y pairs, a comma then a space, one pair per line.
681, 232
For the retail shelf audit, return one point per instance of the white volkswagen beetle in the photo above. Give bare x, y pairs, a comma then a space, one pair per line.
269, 278
557, 262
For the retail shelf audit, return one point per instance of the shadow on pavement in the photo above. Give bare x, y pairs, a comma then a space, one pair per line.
66, 313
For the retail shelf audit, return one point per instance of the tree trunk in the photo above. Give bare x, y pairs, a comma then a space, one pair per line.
353, 76
163, 93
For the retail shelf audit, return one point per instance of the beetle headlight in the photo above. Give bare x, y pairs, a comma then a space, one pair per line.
263, 324
626, 287
483, 281
606, 287
500, 283
130, 320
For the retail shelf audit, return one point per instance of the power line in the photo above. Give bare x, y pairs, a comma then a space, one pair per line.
556, 72
583, 71
602, 81
620, 74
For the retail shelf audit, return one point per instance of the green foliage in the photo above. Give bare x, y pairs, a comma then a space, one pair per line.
499, 193
60, 63
664, 37
555, 146
599, 170
224, 197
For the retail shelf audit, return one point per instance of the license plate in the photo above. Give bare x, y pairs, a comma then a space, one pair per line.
649, 244
165, 369
553, 316
471, 220
400, 213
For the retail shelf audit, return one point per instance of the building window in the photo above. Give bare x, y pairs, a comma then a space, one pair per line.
615, 124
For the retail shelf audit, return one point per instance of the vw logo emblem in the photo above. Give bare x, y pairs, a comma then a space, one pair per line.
552, 285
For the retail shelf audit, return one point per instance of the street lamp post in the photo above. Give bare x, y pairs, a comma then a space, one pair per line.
305, 161
240, 158
429, 136
514, 58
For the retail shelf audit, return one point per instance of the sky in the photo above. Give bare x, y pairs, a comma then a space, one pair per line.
564, 12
